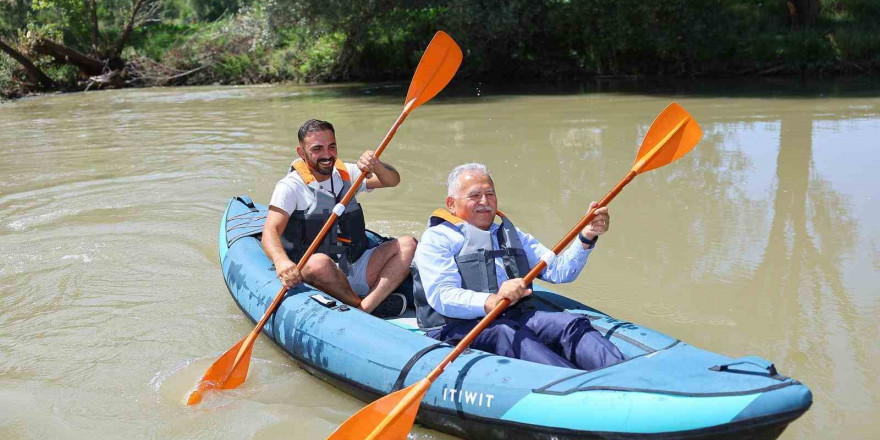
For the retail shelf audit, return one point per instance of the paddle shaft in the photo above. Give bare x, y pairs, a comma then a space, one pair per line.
320, 237
637, 167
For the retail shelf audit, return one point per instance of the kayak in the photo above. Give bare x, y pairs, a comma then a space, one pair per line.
665, 388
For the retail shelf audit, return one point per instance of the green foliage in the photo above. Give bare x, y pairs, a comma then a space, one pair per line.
322, 57
210, 10
177, 11
61, 73
245, 41
69, 16
862, 12
234, 66
155, 40
8, 81
13, 14
857, 46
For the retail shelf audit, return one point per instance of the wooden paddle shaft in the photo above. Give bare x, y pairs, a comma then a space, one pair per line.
560, 246
348, 195
331, 221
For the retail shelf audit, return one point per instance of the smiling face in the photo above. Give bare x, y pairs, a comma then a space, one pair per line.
475, 200
318, 150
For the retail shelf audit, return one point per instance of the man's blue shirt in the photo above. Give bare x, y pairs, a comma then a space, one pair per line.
435, 258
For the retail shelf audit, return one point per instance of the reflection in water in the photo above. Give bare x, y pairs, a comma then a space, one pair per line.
811, 231
763, 240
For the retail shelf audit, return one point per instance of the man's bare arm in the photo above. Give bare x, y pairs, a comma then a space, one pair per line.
383, 174
276, 221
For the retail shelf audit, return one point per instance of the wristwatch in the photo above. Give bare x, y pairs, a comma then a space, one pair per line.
587, 241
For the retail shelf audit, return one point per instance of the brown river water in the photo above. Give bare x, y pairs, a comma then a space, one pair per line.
764, 240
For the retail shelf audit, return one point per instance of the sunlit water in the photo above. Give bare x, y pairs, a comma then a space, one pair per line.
764, 240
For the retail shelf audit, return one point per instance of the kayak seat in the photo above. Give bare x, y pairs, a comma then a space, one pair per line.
245, 224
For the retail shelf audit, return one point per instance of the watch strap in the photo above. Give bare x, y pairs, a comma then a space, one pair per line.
587, 241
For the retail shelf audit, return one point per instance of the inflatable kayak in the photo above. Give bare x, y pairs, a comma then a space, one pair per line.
665, 389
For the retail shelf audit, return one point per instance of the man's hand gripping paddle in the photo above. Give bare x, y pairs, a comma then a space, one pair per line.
436, 68
672, 135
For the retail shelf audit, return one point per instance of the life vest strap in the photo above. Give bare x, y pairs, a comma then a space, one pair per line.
442, 214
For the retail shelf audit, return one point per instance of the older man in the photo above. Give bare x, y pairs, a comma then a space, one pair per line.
466, 263
343, 266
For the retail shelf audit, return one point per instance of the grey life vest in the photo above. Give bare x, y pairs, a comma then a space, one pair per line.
475, 262
347, 239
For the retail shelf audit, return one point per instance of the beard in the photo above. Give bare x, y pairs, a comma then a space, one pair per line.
323, 167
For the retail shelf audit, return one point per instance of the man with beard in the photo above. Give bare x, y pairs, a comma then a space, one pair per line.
342, 265
466, 263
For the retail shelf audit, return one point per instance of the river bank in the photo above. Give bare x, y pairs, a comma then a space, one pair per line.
300, 41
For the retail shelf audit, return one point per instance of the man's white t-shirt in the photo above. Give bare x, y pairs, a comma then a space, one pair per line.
291, 192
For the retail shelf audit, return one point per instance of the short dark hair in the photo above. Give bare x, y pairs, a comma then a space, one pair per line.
314, 126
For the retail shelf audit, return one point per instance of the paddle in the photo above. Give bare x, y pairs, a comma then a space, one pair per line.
672, 135
436, 68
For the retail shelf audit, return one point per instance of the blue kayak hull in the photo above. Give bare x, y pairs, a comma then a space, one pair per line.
665, 389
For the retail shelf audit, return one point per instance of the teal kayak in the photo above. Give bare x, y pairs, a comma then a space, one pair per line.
665, 389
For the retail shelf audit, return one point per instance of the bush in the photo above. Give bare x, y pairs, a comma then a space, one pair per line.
321, 58
9, 87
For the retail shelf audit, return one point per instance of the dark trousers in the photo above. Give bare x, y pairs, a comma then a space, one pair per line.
552, 338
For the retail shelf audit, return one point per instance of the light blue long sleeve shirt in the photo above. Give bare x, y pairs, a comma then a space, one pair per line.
435, 258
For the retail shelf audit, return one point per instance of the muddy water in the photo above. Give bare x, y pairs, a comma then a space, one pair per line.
764, 240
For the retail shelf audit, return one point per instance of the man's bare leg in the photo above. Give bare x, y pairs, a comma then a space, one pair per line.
321, 272
388, 266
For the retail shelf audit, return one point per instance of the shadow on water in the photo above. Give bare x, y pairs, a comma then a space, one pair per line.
760, 87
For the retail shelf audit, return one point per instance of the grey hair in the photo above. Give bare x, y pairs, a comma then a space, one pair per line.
452, 182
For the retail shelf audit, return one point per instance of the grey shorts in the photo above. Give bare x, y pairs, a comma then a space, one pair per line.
358, 276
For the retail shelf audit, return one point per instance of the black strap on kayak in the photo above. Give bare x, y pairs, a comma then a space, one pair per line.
771, 370
247, 202
412, 362
614, 329
248, 223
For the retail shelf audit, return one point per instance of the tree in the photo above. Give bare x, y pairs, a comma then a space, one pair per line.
97, 59
803, 12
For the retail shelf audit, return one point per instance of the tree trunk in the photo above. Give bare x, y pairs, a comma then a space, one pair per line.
93, 18
64, 54
128, 28
803, 12
33, 72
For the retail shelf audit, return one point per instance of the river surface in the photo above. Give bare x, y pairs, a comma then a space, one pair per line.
765, 240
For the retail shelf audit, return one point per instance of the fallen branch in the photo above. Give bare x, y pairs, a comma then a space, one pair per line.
772, 70
66, 55
33, 72
171, 79
113, 79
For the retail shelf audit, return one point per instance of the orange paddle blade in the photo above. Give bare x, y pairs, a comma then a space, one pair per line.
225, 373
672, 135
436, 68
389, 418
